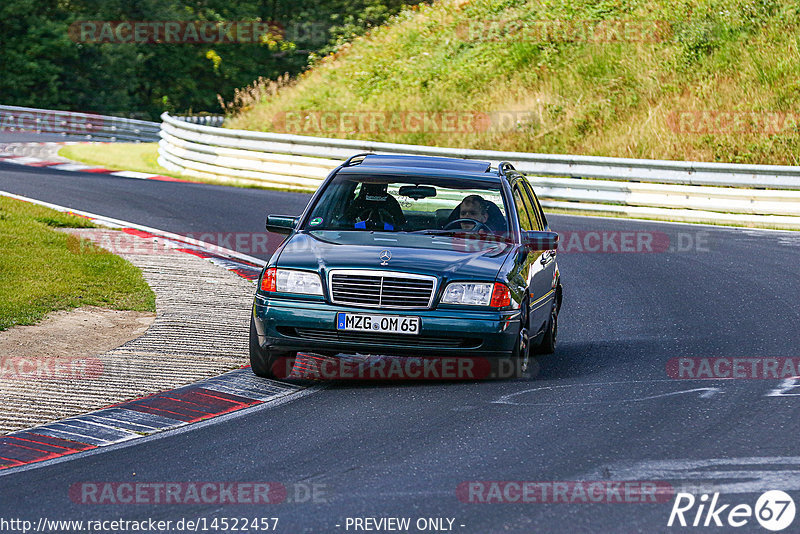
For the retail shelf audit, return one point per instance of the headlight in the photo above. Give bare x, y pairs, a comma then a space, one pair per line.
470, 294
495, 295
298, 282
289, 281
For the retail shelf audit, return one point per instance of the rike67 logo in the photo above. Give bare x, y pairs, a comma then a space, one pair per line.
774, 510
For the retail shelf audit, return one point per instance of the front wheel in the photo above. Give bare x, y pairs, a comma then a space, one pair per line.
516, 364
523, 350
269, 363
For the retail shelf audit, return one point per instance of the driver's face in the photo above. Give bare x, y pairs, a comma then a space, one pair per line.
471, 210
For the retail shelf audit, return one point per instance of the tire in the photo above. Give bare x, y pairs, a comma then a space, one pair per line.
523, 347
265, 363
548, 343
518, 360
506, 365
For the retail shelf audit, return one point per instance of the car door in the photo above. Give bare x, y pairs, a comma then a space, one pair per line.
543, 272
527, 263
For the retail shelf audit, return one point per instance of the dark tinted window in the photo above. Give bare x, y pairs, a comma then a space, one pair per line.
535, 207
520, 199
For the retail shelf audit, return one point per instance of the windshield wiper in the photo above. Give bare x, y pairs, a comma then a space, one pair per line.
463, 234
438, 232
455, 233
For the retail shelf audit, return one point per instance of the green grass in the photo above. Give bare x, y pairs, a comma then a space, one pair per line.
42, 270
570, 96
140, 157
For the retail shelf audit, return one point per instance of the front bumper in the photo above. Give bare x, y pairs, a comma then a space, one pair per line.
310, 326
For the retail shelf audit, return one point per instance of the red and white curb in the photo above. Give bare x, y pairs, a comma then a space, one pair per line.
244, 265
224, 394
62, 164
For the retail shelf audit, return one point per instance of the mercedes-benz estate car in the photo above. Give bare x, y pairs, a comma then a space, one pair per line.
410, 256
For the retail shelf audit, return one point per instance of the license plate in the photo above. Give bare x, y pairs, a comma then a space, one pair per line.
361, 322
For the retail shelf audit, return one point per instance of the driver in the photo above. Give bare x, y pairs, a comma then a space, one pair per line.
473, 207
375, 209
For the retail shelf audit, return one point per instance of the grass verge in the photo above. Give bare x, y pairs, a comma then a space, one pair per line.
142, 157
698, 80
42, 270
139, 157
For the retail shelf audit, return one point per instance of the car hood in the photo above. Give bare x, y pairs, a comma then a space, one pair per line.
441, 256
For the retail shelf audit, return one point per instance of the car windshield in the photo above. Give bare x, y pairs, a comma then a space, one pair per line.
424, 205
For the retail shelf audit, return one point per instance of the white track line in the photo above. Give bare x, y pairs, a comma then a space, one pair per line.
118, 223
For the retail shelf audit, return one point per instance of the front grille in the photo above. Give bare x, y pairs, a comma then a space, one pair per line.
315, 334
382, 289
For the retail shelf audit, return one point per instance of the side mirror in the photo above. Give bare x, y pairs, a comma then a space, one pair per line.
281, 224
535, 240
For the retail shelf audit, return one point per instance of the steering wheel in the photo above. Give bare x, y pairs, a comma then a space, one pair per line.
477, 225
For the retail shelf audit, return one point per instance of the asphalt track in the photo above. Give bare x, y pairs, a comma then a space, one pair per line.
602, 408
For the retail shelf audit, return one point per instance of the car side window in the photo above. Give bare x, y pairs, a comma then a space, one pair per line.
522, 212
535, 207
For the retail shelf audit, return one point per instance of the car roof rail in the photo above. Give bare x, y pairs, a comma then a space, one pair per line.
503, 167
350, 161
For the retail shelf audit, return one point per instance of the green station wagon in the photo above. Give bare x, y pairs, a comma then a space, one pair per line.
410, 256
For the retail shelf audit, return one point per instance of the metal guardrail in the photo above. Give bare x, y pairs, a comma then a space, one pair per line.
77, 125
763, 195
89, 126
205, 120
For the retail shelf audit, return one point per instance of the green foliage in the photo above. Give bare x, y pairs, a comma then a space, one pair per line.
356, 18
554, 69
43, 67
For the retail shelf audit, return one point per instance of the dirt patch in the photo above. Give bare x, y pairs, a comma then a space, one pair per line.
87, 331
